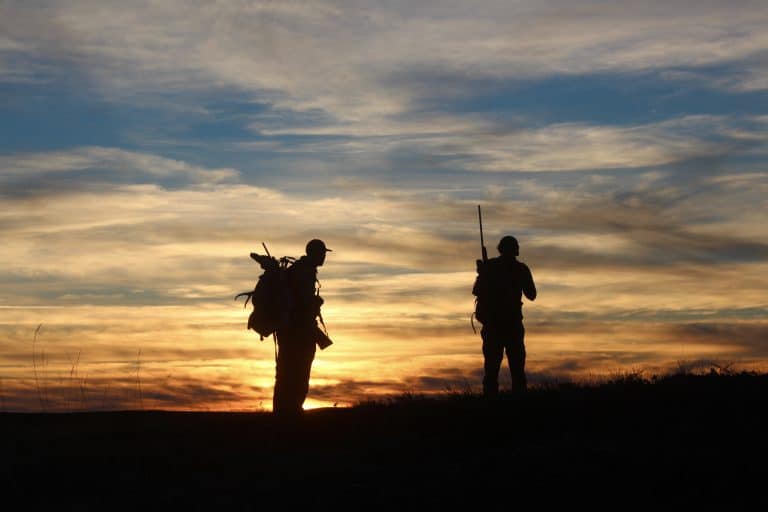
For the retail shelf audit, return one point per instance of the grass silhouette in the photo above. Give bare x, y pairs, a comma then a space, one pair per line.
42, 394
684, 439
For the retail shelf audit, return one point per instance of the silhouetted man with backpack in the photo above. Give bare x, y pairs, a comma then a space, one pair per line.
298, 332
499, 287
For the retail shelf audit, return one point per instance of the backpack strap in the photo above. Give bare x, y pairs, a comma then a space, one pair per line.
320, 317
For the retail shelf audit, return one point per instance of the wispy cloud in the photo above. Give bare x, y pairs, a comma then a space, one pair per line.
106, 164
569, 147
325, 56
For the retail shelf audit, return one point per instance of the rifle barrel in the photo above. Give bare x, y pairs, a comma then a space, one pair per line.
480, 218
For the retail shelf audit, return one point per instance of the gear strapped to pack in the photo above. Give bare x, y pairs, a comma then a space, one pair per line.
270, 296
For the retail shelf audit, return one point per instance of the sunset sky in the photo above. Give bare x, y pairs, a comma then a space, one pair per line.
146, 148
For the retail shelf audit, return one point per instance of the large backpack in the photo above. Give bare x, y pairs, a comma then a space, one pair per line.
268, 295
492, 293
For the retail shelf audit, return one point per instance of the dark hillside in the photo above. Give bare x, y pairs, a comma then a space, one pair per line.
676, 441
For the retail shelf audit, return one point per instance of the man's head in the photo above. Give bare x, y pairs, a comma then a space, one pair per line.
508, 246
316, 250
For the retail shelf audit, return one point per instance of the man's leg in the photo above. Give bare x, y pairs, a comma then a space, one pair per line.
515, 346
303, 368
281, 401
294, 362
493, 352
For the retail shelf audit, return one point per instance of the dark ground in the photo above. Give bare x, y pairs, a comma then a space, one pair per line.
678, 441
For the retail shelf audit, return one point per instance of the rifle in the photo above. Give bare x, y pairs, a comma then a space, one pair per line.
482, 242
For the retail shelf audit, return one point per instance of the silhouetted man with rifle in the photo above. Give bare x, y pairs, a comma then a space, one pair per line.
499, 287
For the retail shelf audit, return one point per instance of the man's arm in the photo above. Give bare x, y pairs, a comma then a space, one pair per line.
529, 288
303, 279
